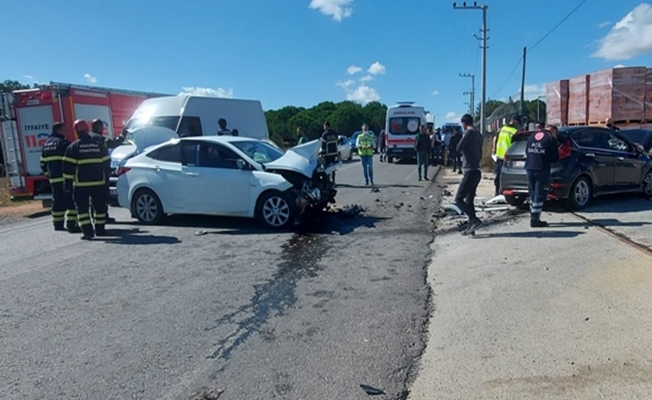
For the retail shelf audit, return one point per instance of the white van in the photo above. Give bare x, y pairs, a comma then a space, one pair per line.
401, 128
190, 115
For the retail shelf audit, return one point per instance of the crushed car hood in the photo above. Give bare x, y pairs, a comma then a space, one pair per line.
303, 159
140, 139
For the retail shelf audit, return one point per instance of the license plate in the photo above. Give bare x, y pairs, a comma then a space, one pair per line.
519, 164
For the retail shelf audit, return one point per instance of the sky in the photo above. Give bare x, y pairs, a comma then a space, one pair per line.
302, 52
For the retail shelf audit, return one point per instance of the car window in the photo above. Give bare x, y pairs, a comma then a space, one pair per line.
616, 143
189, 150
170, 153
190, 126
590, 139
259, 151
213, 155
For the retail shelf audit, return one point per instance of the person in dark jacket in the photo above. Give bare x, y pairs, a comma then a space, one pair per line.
64, 214
329, 141
423, 145
97, 132
455, 155
86, 168
470, 147
541, 151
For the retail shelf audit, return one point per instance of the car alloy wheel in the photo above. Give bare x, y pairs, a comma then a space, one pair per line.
582, 193
276, 211
147, 207
647, 184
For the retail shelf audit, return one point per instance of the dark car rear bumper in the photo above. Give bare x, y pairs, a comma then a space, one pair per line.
513, 182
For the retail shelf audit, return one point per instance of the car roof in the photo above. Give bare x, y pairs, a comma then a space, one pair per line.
219, 139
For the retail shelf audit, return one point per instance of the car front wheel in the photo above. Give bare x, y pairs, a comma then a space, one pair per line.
647, 185
147, 207
275, 210
580, 194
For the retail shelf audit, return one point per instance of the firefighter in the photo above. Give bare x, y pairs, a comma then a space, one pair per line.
97, 130
329, 148
86, 168
64, 214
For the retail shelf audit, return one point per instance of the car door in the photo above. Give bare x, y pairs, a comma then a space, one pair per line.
214, 183
165, 175
595, 158
628, 163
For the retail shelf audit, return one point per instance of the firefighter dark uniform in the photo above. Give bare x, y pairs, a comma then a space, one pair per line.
329, 148
64, 214
86, 167
541, 152
97, 128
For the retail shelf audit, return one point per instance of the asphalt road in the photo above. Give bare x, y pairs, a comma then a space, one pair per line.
160, 312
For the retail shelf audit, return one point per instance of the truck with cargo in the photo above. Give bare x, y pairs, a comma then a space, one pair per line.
28, 116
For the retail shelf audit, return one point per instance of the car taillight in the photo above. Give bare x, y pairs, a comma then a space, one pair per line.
565, 150
122, 171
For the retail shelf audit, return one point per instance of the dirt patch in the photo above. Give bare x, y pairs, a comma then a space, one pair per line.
11, 211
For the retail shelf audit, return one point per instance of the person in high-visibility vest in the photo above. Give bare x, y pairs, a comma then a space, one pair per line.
502, 142
365, 143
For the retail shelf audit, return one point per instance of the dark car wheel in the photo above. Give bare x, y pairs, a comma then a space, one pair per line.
147, 207
275, 210
580, 194
516, 201
647, 185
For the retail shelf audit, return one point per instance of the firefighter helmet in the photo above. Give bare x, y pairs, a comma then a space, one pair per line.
80, 126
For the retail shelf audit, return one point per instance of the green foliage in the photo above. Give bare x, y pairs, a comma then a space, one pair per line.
345, 117
9, 86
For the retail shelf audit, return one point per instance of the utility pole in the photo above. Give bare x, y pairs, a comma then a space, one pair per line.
472, 93
483, 46
523, 82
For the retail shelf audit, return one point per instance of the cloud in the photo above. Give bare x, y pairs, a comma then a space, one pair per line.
363, 94
345, 84
452, 117
619, 66
29, 78
366, 78
353, 69
376, 68
435, 92
604, 24
208, 92
532, 91
90, 78
630, 37
338, 9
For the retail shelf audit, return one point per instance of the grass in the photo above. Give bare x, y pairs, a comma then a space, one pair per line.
5, 199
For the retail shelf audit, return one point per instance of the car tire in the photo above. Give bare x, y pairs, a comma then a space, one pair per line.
275, 210
351, 155
646, 186
580, 194
147, 207
390, 159
515, 201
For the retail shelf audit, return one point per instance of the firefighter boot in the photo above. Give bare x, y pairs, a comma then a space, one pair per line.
100, 230
72, 227
58, 226
88, 232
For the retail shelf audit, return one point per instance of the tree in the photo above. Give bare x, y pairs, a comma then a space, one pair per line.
374, 115
490, 107
9, 86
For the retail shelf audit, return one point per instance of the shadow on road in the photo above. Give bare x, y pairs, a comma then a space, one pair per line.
531, 234
381, 186
617, 203
135, 237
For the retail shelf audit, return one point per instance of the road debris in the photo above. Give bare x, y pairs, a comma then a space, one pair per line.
349, 211
375, 190
371, 391
206, 393
201, 232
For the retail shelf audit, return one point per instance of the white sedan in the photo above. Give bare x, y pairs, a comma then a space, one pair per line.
225, 175
344, 149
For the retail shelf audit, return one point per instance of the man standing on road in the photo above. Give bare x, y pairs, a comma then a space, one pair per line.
329, 141
85, 171
422, 145
365, 143
501, 143
470, 147
221, 123
97, 130
541, 152
454, 154
382, 137
303, 138
63, 206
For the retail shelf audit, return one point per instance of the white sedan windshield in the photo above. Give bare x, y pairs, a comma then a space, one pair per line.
258, 151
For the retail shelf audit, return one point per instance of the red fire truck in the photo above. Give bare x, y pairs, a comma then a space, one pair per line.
27, 117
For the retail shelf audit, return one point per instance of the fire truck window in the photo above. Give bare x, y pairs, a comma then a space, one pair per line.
190, 126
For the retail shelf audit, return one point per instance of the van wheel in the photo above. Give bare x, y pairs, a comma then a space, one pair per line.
275, 210
647, 185
580, 194
390, 159
515, 201
147, 207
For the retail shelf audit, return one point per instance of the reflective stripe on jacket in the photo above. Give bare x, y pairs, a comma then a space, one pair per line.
86, 162
52, 157
365, 144
504, 140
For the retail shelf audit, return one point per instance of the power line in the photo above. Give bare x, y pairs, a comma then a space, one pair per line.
510, 75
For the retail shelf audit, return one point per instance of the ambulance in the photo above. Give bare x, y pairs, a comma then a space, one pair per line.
401, 127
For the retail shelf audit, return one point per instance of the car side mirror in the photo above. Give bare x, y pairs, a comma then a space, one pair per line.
241, 164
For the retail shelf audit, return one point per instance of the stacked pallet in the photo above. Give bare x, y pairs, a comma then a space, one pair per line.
557, 102
578, 99
617, 93
648, 94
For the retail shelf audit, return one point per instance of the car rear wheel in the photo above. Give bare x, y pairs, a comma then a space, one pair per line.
647, 185
580, 194
516, 201
275, 210
147, 207
350, 155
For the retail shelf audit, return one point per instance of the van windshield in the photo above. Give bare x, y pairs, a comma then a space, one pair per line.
164, 122
404, 125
